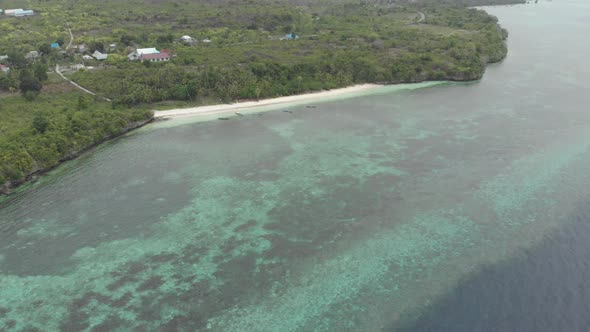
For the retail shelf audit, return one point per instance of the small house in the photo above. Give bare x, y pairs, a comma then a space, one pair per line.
4, 68
141, 52
156, 57
32, 55
11, 12
150, 50
206, 40
188, 40
21, 13
99, 56
87, 57
3, 57
54, 45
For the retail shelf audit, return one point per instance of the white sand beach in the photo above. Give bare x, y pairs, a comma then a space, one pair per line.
251, 105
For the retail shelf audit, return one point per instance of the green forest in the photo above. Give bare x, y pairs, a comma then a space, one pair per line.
337, 46
35, 136
240, 50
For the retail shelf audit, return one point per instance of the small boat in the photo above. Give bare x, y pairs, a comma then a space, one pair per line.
224, 118
287, 111
240, 114
311, 106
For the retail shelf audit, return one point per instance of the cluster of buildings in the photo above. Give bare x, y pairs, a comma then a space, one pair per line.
141, 54
17, 12
96, 55
151, 54
82, 48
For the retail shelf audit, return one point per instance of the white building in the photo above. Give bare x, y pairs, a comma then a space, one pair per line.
21, 13
142, 51
11, 12
188, 40
151, 50
32, 55
99, 56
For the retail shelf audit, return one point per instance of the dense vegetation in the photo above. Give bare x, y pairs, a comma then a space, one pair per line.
56, 126
340, 42
338, 46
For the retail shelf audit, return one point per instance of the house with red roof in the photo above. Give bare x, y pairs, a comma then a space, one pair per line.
164, 55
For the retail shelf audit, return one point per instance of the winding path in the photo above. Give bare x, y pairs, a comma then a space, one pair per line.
67, 79
71, 37
77, 85
422, 17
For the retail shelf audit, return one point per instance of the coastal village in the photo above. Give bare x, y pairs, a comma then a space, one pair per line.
71, 56
18, 12
139, 56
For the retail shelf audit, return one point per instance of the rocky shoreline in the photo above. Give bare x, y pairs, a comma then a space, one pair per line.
9, 187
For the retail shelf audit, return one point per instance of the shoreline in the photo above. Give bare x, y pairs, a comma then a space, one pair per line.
8, 188
211, 112
223, 109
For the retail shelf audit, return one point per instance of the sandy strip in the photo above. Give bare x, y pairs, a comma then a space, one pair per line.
243, 106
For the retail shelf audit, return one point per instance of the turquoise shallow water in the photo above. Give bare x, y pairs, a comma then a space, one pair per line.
356, 215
